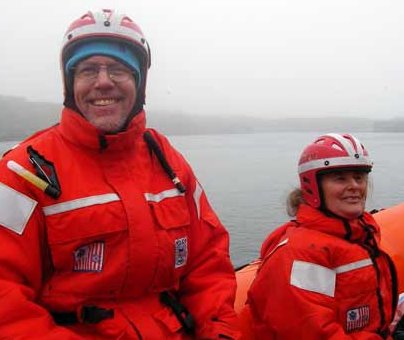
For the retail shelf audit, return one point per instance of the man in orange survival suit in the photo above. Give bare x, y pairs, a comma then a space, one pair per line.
105, 231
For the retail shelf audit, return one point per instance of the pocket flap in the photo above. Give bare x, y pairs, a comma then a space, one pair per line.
171, 212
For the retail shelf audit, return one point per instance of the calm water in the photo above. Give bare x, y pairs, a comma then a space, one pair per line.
247, 178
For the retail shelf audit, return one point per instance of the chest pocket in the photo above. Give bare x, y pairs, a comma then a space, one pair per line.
83, 238
172, 220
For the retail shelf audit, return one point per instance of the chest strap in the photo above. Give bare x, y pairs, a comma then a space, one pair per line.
182, 314
86, 314
94, 314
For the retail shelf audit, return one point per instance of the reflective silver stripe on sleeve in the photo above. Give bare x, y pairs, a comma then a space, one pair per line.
352, 266
15, 209
313, 277
197, 198
79, 203
162, 195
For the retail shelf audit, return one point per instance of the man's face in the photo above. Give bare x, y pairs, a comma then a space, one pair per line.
104, 92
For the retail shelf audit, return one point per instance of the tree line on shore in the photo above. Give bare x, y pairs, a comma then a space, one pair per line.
20, 118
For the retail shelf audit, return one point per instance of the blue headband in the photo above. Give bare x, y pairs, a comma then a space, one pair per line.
118, 51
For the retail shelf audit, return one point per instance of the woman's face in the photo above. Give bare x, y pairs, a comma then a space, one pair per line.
345, 193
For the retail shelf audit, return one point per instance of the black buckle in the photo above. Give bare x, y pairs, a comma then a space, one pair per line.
87, 314
94, 314
182, 314
64, 319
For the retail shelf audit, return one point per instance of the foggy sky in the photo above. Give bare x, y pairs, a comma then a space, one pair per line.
272, 58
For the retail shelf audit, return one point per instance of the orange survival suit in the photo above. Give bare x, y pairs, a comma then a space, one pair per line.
93, 263
324, 278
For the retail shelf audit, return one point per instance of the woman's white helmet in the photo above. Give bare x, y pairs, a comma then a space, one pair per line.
330, 152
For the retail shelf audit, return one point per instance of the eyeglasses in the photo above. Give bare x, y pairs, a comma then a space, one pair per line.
90, 72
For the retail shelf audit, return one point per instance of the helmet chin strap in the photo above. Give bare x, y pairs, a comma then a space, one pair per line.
137, 107
128, 120
323, 206
329, 213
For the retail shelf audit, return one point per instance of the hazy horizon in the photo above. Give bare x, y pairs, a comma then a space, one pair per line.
268, 58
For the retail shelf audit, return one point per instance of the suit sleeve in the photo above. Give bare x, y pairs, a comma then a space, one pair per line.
22, 265
283, 311
209, 286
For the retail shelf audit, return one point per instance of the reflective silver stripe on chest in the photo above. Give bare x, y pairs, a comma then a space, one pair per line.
79, 203
162, 195
319, 279
352, 266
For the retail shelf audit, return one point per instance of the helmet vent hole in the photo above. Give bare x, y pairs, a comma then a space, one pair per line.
107, 23
306, 180
69, 36
326, 163
356, 155
337, 147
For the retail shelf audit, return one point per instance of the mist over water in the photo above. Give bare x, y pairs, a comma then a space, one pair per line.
247, 178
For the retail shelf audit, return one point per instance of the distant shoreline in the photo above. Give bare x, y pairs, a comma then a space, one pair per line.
20, 118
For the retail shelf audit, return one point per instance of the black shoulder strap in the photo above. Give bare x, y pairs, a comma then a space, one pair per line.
155, 149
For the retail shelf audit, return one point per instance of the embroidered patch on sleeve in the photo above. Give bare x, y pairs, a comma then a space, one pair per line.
357, 318
89, 258
181, 251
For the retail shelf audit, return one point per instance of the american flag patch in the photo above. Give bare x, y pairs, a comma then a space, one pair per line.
181, 252
89, 258
357, 318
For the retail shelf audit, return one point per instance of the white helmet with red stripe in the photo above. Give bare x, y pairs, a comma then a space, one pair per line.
328, 153
105, 26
